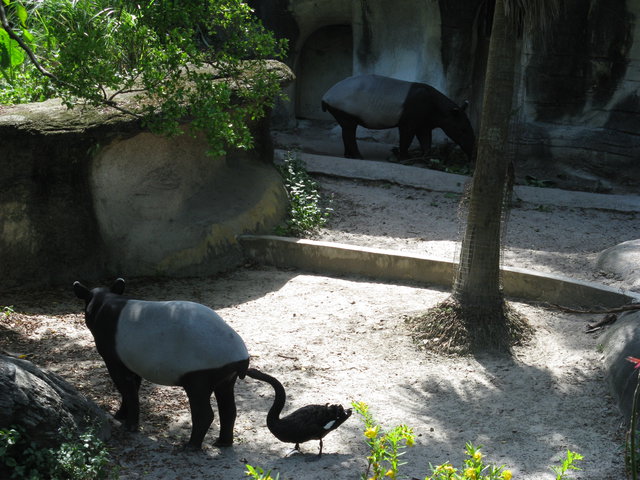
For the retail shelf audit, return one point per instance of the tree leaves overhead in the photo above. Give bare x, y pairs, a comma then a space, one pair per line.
186, 59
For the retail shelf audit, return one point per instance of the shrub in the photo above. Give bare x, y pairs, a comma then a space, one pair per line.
306, 212
78, 457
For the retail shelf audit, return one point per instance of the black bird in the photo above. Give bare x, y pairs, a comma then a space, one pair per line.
312, 422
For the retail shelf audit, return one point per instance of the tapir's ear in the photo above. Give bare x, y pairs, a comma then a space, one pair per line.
81, 291
118, 286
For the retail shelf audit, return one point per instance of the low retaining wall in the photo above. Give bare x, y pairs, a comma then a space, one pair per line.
387, 265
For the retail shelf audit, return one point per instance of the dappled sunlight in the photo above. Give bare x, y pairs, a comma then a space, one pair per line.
340, 340
542, 238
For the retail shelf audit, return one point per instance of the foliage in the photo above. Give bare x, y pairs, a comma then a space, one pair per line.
257, 473
473, 468
632, 433
385, 448
201, 60
6, 311
306, 213
81, 457
567, 464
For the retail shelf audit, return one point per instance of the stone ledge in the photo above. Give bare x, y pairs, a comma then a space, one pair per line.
388, 265
448, 182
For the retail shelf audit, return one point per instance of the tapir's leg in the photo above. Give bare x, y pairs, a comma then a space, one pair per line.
424, 137
349, 140
407, 132
348, 124
226, 410
199, 389
128, 384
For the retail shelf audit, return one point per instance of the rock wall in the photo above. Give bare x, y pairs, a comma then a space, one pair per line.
41, 403
581, 116
89, 193
578, 124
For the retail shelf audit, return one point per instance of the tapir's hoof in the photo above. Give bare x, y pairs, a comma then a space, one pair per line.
190, 447
129, 427
223, 443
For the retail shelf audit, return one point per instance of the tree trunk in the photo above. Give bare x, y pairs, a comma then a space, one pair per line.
477, 284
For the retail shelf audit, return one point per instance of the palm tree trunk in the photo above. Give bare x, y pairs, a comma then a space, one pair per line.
477, 283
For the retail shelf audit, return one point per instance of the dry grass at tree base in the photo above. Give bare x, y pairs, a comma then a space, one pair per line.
449, 328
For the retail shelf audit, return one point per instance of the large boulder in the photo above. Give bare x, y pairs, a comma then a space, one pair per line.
41, 403
622, 340
623, 261
90, 192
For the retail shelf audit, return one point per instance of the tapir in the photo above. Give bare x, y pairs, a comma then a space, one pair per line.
168, 343
379, 102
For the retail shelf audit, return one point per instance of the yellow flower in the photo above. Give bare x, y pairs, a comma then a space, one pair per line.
391, 474
470, 473
371, 432
506, 475
445, 467
410, 442
477, 455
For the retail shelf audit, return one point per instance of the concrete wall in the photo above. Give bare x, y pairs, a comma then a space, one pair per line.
579, 125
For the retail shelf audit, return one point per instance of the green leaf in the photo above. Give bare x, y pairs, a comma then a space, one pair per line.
27, 35
22, 14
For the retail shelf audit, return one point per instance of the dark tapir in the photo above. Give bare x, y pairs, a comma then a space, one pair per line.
169, 343
378, 102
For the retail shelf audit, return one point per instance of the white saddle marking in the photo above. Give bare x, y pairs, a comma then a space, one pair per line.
161, 341
376, 100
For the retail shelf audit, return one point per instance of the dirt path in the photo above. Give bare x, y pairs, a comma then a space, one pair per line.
344, 339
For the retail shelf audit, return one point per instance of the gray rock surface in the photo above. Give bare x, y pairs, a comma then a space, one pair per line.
623, 261
577, 117
41, 403
89, 192
621, 341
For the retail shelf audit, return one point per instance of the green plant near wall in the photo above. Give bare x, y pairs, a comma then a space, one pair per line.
6, 311
78, 457
306, 210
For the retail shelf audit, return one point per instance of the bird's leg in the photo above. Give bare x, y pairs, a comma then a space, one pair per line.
316, 457
295, 450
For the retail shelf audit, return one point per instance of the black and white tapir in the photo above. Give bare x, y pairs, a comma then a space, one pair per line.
379, 103
168, 343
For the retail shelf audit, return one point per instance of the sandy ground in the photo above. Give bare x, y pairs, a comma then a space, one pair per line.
345, 339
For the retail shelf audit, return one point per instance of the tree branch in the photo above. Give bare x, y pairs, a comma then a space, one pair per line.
24, 46
5, 24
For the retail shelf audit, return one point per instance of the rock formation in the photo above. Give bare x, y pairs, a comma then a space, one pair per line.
41, 402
